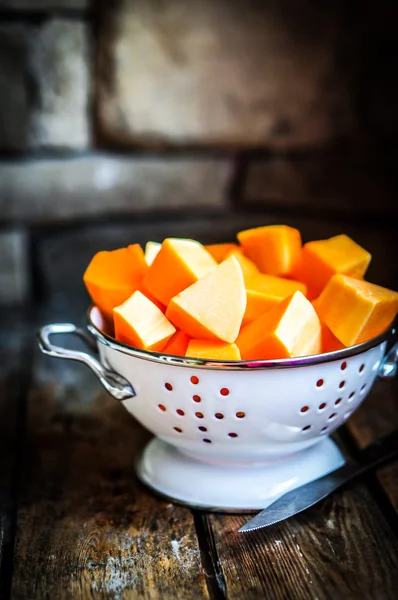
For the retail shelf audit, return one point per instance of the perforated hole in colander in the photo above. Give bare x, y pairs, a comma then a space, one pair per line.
332, 416
363, 388
233, 435
343, 366
162, 407
180, 412
319, 383
351, 397
338, 401
322, 406
224, 391
304, 409
324, 429
202, 428
306, 428
199, 415
361, 368
178, 429
207, 441
194, 379
196, 398
168, 386
341, 384
240, 415
219, 416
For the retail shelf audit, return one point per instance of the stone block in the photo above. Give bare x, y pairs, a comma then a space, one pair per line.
329, 182
231, 73
95, 186
44, 5
60, 67
14, 277
44, 85
14, 98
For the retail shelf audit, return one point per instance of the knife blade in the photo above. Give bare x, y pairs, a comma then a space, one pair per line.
305, 496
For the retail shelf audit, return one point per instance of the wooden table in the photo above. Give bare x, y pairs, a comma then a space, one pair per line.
76, 523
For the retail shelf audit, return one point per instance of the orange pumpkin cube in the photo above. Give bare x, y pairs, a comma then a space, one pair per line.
139, 322
178, 264
290, 329
322, 259
266, 291
275, 249
111, 277
212, 350
356, 310
220, 251
178, 344
330, 343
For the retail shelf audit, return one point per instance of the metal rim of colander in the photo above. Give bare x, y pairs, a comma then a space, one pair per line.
237, 365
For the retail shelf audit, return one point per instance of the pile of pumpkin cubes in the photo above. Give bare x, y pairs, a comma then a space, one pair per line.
265, 297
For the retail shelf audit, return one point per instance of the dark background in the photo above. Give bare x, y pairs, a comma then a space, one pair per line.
123, 121
133, 120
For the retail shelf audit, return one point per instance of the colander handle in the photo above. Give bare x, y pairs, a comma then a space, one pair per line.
115, 384
389, 366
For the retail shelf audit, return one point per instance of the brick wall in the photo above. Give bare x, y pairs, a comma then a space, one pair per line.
128, 119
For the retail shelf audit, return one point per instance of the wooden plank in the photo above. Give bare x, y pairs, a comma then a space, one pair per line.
14, 367
378, 416
86, 527
326, 551
342, 548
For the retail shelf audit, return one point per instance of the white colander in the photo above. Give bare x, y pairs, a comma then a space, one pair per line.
232, 435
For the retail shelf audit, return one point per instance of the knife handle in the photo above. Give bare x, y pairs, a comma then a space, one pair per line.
372, 457
299, 499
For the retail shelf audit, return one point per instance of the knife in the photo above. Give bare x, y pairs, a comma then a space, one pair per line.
301, 498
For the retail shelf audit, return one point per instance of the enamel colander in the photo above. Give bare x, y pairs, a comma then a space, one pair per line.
232, 435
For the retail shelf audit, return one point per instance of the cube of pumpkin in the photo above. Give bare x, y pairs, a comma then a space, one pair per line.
322, 259
266, 291
356, 310
213, 307
220, 251
178, 264
291, 328
178, 344
275, 249
140, 323
212, 350
111, 277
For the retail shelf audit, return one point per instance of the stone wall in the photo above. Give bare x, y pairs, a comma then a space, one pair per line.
181, 113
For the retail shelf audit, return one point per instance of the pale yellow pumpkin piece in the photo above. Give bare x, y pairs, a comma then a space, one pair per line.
213, 307
140, 323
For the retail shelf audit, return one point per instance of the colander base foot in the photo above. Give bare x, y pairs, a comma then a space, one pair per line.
213, 487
